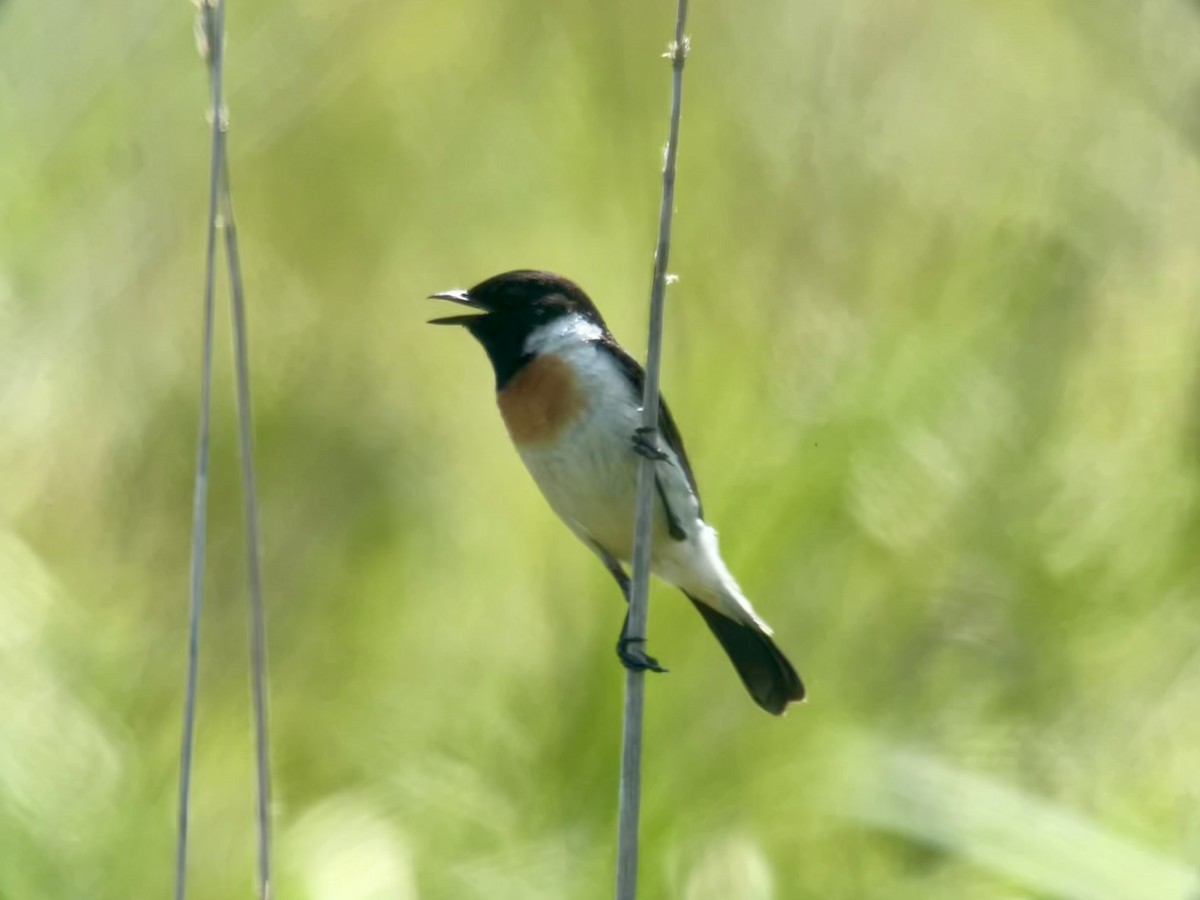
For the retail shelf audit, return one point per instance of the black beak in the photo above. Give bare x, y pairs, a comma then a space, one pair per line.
458, 295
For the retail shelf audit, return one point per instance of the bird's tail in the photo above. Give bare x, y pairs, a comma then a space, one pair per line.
763, 668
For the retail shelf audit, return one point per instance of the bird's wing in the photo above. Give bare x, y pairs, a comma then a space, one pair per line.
666, 425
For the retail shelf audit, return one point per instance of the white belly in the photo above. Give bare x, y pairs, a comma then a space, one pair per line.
589, 475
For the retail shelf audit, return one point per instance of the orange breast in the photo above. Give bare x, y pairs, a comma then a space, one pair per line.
541, 400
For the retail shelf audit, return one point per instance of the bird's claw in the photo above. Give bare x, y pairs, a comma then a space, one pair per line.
634, 657
645, 444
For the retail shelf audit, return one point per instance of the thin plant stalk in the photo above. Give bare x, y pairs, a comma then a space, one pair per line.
631, 744
212, 31
258, 618
212, 23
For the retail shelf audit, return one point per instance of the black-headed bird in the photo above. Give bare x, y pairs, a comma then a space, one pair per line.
570, 397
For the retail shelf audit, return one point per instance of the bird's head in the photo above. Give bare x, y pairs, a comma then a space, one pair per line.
525, 296
517, 314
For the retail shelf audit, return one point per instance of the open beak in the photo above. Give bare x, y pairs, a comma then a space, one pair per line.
458, 295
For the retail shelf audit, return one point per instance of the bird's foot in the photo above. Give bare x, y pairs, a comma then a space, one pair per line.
632, 656
645, 443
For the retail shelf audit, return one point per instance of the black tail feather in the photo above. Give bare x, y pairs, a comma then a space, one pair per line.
763, 668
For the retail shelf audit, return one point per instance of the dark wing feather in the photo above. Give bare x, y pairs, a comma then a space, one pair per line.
666, 425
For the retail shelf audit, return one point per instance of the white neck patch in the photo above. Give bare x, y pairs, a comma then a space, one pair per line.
563, 332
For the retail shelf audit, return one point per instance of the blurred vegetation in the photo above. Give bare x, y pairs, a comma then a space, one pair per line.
934, 349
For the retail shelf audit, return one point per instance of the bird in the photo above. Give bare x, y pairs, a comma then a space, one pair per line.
570, 397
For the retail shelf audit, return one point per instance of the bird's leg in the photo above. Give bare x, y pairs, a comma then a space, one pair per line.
631, 654
645, 443
614, 569
629, 650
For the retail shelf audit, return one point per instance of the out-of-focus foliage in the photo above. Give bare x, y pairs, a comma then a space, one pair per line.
934, 349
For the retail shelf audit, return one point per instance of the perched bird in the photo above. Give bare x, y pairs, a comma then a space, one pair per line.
571, 399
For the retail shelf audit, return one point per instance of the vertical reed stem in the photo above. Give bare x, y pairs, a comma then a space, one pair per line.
631, 747
212, 22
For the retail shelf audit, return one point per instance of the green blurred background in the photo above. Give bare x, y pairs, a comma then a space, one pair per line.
933, 348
